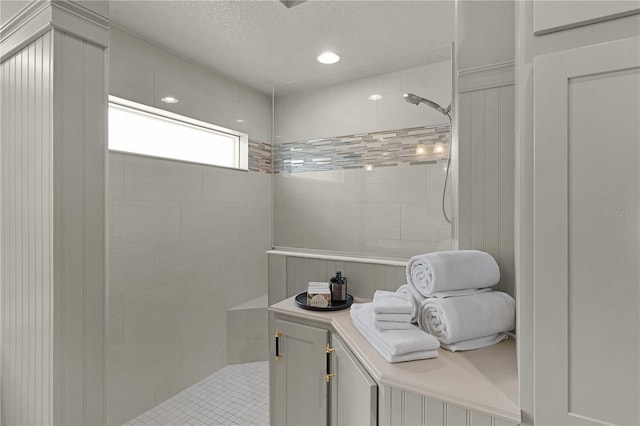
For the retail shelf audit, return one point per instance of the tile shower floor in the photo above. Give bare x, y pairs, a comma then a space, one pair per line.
235, 395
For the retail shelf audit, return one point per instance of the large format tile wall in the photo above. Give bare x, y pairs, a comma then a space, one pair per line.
187, 241
365, 194
376, 191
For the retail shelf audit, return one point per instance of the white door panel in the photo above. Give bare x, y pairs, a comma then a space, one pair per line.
587, 234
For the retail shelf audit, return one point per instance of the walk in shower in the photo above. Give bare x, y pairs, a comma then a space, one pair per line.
358, 170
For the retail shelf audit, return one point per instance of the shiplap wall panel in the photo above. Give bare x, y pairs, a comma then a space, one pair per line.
401, 408
53, 232
79, 230
26, 233
486, 181
434, 412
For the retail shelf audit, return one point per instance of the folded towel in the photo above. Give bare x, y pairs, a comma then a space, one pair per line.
415, 298
480, 342
389, 302
455, 319
457, 293
393, 317
393, 345
393, 325
452, 270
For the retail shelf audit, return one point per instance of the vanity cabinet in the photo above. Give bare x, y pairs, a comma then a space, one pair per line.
317, 380
299, 374
324, 372
354, 394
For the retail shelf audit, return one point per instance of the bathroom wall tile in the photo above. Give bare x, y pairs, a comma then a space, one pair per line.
136, 223
190, 261
415, 220
406, 248
173, 333
147, 178
170, 84
116, 176
225, 185
382, 220
130, 79
139, 360
152, 311
241, 351
130, 46
130, 270
130, 402
174, 380
205, 324
115, 321
201, 221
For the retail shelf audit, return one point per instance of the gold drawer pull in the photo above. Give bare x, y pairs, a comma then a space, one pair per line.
277, 334
330, 349
329, 376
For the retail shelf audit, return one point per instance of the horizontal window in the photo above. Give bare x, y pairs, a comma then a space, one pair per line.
139, 129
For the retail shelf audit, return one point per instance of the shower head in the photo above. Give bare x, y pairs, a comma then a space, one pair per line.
416, 100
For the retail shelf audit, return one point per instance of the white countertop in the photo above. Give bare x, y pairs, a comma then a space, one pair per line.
482, 380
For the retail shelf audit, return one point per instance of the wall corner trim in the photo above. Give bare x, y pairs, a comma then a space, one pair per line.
486, 77
38, 17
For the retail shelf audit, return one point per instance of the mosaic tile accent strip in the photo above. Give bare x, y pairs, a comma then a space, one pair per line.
418, 145
260, 157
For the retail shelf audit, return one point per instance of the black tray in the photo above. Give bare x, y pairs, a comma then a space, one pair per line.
301, 300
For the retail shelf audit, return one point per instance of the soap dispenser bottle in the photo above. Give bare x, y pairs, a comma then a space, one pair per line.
339, 288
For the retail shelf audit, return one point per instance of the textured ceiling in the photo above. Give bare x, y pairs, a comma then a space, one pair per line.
265, 44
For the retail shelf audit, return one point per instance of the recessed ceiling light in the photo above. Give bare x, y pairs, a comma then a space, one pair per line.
375, 97
239, 120
328, 58
169, 100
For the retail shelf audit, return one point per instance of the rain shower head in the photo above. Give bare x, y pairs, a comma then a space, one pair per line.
416, 100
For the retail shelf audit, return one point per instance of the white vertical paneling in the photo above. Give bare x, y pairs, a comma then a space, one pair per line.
95, 120
26, 233
435, 413
486, 189
79, 230
52, 197
397, 407
456, 416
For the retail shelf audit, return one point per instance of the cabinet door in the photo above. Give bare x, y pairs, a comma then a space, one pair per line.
354, 394
300, 375
587, 235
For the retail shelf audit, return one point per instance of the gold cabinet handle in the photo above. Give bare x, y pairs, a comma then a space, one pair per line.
329, 376
330, 349
277, 335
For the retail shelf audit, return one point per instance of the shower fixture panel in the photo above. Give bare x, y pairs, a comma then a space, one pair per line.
417, 100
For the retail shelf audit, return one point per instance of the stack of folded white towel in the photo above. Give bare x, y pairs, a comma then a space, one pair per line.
392, 311
393, 345
452, 299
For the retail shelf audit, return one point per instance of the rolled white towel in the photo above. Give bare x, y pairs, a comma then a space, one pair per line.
452, 270
389, 302
393, 325
480, 342
458, 293
393, 345
392, 317
456, 319
415, 298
